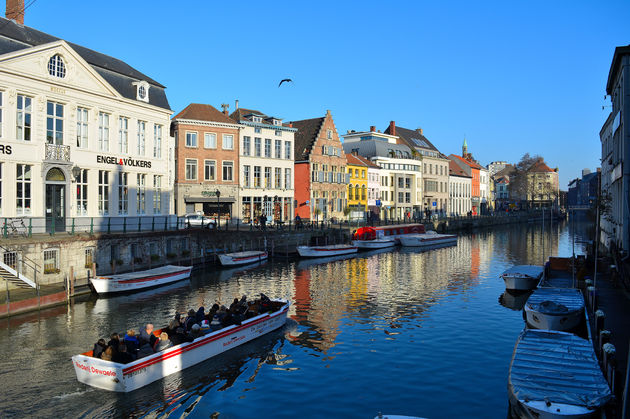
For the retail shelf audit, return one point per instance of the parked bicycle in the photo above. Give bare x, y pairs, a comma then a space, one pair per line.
16, 227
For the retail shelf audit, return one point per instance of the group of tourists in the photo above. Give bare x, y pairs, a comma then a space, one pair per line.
180, 329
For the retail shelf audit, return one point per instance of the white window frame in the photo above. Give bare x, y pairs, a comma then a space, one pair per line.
103, 192
1, 188
141, 193
48, 256
247, 145
157, 194
157, 140
142, 137
210, 164
190, 163
123, 193
191, 139
288, 178
83, 116
287, 150
209, 140
82, 193
227, 168
123, 134
23, 201
267, 147
24, 118
227, 142
1, 113
57, 120
103, 131
247, 172
277, 152
257, 179
277, 177
267, 177
257, 147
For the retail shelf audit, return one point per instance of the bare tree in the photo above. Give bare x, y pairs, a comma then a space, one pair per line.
522, 185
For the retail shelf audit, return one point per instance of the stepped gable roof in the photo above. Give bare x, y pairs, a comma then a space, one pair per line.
413, 138
539, 167
455, 170
305, 136
201, 112
120, 75
472, 164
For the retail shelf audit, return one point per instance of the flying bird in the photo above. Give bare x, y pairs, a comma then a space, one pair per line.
283, 80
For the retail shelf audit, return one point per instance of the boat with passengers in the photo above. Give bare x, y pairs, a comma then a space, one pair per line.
113, 376
369, 233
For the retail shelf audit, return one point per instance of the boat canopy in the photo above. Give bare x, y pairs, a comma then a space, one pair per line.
533, 271
557, 367
556, 300
371, 233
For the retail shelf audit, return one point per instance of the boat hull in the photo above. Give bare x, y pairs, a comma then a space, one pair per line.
325, 251
520, 283
374, 244
120, 283
545, 321
242, 258
129, 377
427, 240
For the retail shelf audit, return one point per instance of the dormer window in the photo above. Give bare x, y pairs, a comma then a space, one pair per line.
257, 119
276, 122
56, 67
142, 91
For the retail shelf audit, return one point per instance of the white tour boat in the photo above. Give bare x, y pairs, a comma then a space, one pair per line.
326, 251
555, 375
555, 309
112, 376
242, 258
380, 243
430, 239
522, 277
133, 281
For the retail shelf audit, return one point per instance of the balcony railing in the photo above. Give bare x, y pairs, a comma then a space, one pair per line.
55, 152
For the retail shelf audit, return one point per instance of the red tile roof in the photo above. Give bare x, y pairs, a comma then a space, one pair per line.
455, 170
540, 166
201, 112
472, 164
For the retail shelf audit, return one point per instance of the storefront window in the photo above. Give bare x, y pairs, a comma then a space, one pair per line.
247, 209
23, 187
82, 192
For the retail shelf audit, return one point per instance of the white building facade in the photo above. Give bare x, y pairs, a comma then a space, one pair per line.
266, 167
83, 135
459, 187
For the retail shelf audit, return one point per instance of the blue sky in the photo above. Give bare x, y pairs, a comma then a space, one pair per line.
513, 77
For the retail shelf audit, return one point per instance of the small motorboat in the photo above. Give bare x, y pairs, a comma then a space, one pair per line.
555, 375
242, 258
430, 239
381, 243
326, 251
138, 280
522, 277
112, 376
555, 309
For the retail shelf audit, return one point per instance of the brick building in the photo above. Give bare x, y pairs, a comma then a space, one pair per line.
320, 169
206, 161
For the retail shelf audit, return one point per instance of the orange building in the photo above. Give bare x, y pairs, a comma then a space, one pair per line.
320, 170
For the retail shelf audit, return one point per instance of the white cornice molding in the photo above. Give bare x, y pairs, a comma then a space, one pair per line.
207, 123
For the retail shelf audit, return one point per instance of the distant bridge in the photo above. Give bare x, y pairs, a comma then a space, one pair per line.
584, 207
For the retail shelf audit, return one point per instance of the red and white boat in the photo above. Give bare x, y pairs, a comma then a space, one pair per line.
385, 232
133, 281
112, 376
326, 251
242, 258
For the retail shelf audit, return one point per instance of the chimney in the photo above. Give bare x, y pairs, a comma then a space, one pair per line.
236, 105
15, 11
290, 124
392, 128
225, 108
419, 131
372, 128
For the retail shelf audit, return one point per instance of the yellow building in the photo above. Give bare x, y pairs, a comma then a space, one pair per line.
357, 167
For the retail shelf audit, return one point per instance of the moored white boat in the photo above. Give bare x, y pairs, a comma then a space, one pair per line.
522, 277
242, 258
326, 251
555, 375
113, 376
429, 239
555, 309
381, 243
132, 281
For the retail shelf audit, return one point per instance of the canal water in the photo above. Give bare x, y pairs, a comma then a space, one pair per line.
400, 332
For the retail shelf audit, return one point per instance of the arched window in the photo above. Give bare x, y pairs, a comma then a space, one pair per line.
55, 174
56, 67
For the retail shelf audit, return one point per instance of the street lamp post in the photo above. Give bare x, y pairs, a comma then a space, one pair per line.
218, 193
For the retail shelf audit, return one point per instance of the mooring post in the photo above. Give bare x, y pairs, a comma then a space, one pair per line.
72, 280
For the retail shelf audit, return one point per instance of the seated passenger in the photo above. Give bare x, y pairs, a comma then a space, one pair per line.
114, 340
215, 324
234, 306
190, 320
147, 336
99, 348
180, 336
195, 332
163, 342
145, 350
200, 315
205, 327
122, 356
131, 342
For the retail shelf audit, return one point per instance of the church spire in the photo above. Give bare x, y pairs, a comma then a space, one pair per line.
464, 148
